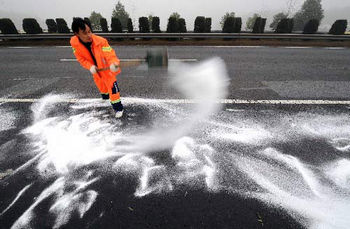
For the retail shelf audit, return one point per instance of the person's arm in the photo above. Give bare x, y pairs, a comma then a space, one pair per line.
83, 61
110, 55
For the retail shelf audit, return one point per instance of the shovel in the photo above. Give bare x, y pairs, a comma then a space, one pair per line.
157, 58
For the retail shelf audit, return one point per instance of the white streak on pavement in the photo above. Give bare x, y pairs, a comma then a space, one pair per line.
189, 101
17, 197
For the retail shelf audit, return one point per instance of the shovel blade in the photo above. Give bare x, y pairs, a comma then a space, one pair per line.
157, 58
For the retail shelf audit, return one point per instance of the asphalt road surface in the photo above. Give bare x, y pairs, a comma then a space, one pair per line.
274, 154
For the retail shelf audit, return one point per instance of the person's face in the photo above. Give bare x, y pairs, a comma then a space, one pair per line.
85, 35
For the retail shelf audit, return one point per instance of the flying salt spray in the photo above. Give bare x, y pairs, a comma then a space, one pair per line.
204, 83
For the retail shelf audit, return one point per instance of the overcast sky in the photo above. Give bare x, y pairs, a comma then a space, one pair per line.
188, 9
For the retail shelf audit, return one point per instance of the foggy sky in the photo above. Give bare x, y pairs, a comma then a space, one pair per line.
188, 9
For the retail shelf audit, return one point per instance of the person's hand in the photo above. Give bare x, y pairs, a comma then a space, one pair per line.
114, 67
93, 69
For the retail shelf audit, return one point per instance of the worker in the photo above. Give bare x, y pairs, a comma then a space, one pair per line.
93, 53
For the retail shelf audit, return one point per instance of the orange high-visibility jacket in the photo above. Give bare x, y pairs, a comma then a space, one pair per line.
105, 81
104, 54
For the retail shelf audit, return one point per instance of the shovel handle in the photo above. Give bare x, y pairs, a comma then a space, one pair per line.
102, 69
124, 64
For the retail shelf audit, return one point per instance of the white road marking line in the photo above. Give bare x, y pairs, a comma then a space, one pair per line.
183, 60
238, 46
68, 60
20, 47
135, 76
254, 88
19, 79
31, 78
297, 47
190, 101
334, 48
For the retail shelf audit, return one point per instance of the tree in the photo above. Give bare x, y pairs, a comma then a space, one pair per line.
62, 25
130, 26
311, 9
150, 18
251, 21
143, 25
199, 24
276, 19
207, 25
95, 19
182, 25
175, 15
237, 24
51, 25
229, 25
259, 25
120, 13
104, 25
116, 26
311, 26
155, 25
285, 26
227, 15
31, 26
339, 27
173, 25
7, 26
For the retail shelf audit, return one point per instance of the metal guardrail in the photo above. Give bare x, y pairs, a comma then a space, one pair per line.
186, 36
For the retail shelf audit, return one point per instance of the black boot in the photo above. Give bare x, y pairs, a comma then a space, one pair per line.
118, 108
105, 96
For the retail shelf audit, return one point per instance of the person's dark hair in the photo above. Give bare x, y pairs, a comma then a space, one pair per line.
79, 23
